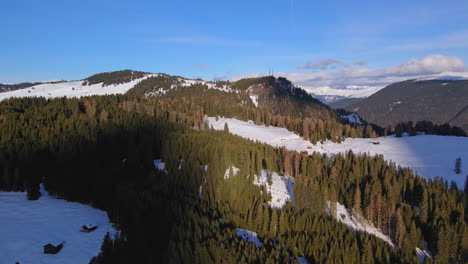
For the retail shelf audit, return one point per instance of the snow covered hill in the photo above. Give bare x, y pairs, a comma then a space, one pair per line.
427, 155
71, 89
26, 226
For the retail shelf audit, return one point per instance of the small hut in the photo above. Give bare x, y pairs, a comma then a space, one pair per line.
87, 229
51, 249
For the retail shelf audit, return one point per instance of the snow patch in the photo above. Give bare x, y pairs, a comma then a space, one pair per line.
200, 189
422, 254
234, 172
249, 236
281, 188
159, 165
302, 260
355, 222
254, 99
204, 168
353, 119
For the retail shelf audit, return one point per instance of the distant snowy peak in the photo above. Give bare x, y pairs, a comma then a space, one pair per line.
328, 95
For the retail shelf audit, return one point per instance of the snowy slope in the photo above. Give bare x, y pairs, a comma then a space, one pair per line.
427, 155
275, 136
354, 222
26, 226
71, 89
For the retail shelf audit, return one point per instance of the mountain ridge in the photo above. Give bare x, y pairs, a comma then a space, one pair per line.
438, 101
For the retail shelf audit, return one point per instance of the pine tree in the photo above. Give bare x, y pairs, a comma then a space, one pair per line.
424, 206
33, 192
400, 233
458, 165
357, 201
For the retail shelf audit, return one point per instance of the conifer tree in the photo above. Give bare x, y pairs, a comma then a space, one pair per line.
357, 201
458, 165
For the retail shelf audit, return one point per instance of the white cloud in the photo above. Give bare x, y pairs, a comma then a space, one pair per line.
321, 64
360, 63
431, 66
427, 65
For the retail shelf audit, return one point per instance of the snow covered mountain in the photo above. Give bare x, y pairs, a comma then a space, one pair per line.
119, 82
438, 101
72, 89
342, 97
330, 95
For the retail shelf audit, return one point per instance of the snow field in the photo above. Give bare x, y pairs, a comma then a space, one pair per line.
427, 155
275, 136
26, 226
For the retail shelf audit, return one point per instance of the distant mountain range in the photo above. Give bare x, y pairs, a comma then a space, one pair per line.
438, 101
351, 94
330, 95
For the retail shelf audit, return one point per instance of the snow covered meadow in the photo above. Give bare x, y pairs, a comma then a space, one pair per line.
427, 155
26, 226
71, 89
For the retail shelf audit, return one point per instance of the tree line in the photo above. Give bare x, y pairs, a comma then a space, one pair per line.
114, 78
100, 150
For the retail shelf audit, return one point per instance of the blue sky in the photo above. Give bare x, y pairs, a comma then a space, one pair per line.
69, 40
